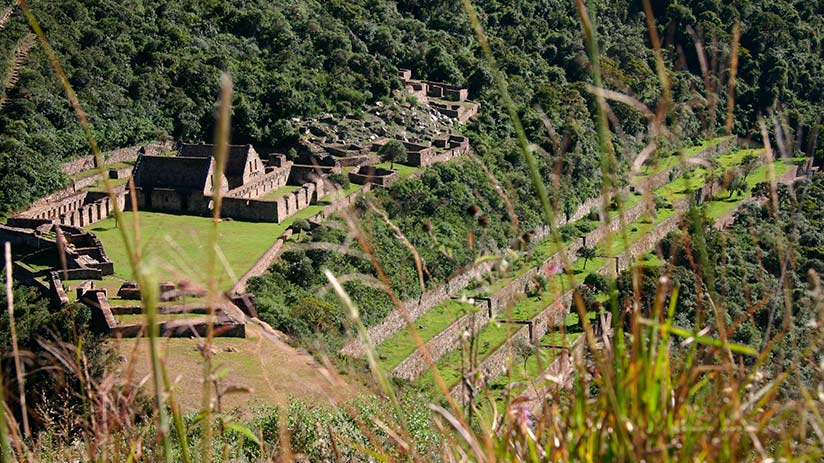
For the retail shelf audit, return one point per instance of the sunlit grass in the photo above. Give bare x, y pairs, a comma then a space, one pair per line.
176, 245
401, 345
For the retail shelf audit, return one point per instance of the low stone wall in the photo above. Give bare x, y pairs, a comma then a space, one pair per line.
396, 320
103, 320
273, 252
496, 363
339, 204
77, 209
427, 156
509, 294
373, 175
81, 273
262, 264
59, 295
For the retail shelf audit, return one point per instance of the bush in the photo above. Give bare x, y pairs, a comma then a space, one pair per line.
340, 180
598, 282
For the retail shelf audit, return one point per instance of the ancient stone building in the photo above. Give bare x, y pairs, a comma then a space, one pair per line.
184, 182
449, 100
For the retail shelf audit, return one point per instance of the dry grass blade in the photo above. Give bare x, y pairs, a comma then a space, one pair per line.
463, 431
736, 41
18, 364
5, 16
222, 133
622, 98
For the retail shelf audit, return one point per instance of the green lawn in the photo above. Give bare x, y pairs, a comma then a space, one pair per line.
100, 187
634, 231
176, 246
668, 161
36, 260
402, 170
94, 171
139, 318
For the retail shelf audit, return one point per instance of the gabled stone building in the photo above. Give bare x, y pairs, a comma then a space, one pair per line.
184, 182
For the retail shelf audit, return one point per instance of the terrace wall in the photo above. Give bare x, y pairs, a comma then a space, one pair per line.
25, 237
412, 366
660, 179
496, 363
395, 321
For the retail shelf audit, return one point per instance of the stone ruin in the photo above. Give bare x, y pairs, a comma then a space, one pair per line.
374, 175
185, 182
449, 100
225, 324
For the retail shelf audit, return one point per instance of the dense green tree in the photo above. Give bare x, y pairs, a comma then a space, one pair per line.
586, 253
393, 152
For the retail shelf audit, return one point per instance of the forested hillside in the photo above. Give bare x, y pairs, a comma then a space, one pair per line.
149, 69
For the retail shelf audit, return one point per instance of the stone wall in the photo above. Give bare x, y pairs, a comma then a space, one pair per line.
496, 363
506, 297
510, 293
263, 184
77, 209
25, 237
59, 295
113, 157
262, 264
446, 91
251, 210
103, 320
396, 320
373, 175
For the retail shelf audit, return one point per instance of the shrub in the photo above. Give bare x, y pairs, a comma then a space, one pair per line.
340, 180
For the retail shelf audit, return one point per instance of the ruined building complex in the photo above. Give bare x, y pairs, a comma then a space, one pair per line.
181, 178
447, 99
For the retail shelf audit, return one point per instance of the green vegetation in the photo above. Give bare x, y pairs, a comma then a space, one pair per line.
733, 320
393, 152
402, 170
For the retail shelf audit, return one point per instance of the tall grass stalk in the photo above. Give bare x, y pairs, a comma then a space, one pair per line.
5, 449
143, 276
18, 364
221, 152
